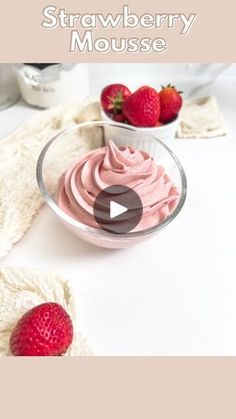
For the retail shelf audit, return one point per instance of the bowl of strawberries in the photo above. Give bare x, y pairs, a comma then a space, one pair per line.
146, 108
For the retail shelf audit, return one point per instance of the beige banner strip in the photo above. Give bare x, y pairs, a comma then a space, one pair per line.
118, 388
177, 32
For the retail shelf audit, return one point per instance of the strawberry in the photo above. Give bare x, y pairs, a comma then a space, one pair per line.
171, 103
45, 330
118, 117
142, 108
112, 99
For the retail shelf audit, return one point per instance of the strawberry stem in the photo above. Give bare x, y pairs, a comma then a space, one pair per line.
170, 86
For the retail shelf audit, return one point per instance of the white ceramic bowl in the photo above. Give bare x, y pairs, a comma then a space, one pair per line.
163, 133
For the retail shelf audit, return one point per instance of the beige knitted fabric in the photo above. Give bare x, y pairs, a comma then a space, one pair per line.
201, 118
20, 198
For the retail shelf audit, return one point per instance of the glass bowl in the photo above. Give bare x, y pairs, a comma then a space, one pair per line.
62, 149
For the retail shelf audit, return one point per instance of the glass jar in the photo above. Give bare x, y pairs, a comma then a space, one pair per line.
47, 85
9, 91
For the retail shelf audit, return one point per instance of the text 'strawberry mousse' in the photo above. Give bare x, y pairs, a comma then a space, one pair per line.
110, 165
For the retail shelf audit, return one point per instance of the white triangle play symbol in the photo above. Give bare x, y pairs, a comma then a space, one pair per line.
116, 209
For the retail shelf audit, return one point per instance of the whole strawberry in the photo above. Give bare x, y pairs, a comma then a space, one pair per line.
142, 108
45, 330
112, 99
171, 103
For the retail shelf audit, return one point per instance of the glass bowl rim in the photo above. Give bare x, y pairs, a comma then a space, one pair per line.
85, 228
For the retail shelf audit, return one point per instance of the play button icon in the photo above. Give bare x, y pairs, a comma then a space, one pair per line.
118, 209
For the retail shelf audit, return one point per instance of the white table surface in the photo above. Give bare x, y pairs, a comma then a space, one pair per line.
174, 294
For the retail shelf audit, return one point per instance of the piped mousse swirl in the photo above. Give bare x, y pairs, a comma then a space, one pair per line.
91, 173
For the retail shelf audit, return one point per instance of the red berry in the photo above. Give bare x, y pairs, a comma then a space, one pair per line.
112, 99
45, 330
142, 108
171, 103
118, 117
159, 124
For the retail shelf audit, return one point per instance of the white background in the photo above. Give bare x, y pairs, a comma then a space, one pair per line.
174, 294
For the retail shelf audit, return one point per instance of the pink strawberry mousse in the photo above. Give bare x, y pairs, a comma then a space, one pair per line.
110, 165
